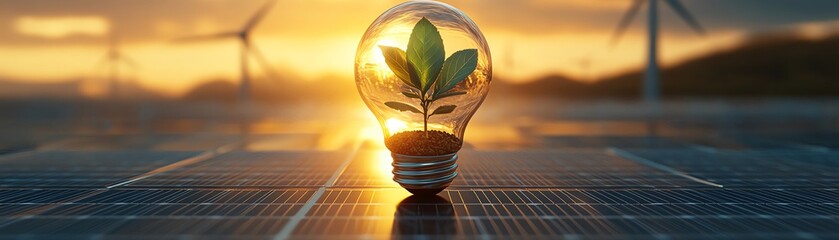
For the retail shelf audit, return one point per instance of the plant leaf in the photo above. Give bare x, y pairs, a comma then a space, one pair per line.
402, 107
410, 94
398, 63
456, 68
448, 94
443, 110
425, 51
415, 79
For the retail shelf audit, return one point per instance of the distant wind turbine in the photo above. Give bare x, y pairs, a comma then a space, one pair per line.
113, 58
651, 80
247, 49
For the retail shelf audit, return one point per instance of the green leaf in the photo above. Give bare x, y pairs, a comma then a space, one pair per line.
398, 63
448, 94
425, 51
410, 94
456, 68
443, 110
415, 79
402, 107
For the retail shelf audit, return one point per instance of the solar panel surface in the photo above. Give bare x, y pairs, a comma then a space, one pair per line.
278, 185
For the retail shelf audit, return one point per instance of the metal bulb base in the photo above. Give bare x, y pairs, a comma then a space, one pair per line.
424, 175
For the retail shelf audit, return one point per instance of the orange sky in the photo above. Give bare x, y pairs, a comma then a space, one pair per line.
317, 38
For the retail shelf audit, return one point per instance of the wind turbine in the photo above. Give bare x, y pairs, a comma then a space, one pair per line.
113, 58
247, 49
651, 80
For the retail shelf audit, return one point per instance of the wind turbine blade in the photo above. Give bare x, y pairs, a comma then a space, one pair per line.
260, 14
685, 14
263, 62
626, 19
207, 37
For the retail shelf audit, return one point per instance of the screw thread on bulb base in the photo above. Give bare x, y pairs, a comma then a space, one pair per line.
424, 175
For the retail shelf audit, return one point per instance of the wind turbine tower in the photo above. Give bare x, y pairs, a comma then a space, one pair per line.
113, 58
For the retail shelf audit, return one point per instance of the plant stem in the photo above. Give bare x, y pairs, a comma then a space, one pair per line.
424, 116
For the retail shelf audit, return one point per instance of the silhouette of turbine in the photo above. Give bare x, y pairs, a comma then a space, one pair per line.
651, 81
112, 59
247, 49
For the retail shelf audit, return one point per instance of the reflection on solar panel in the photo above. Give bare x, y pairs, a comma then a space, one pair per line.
604, 142
252, 169
549, 187
81, 169
776, 168
552, 168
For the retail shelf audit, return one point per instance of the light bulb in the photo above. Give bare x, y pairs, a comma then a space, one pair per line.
423, 68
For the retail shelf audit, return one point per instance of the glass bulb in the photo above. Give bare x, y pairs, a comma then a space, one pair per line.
418, 100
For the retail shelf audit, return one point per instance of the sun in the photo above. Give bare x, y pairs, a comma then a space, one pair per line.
395, 125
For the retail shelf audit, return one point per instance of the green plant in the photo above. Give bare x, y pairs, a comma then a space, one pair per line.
424, 71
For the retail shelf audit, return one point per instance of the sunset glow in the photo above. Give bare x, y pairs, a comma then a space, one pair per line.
58, 27
572, 40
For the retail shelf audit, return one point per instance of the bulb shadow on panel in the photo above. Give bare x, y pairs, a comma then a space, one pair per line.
424, 215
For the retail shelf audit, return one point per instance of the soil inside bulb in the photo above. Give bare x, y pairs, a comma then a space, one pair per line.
417, 143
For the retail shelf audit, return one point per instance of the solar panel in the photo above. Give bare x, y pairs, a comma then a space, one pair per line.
554, 186
553, 212
823, 139
523, 168
189, 203
368, 168
558, 168
252, 169
9, 196
775, 168
108, 142
18, 202
740, 143
150, 212
82, 169
600, 142
196, 142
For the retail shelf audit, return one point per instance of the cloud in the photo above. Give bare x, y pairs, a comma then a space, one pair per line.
60, 27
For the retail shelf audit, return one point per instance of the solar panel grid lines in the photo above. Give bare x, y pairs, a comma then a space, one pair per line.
85, 164
266, 169
553, 168
500, 209
188, 204
17, 203
660, 167
287, 230
81, 169
216, 208
192, 160
777, 168
199, 196
369, 168
532, 168
526, 193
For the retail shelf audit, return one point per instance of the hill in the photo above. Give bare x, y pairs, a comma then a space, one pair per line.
285, 89
60, 89
763, 67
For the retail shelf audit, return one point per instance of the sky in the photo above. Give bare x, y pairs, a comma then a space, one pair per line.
305, 40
